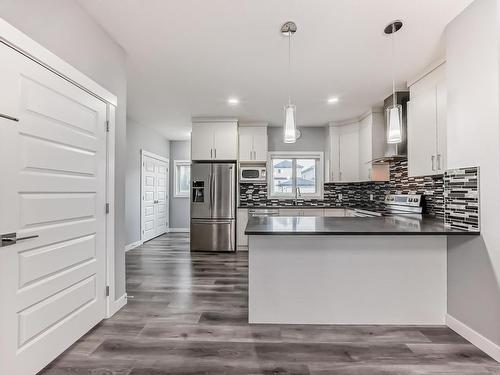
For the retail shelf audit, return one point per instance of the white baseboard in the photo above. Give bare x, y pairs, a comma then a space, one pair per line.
133, 245
117, 305
486, 345
178, 230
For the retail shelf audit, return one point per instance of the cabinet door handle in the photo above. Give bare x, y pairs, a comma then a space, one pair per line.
433, 162
439, 162
211, 151
215, 153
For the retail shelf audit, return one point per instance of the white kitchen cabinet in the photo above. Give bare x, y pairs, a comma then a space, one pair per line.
241, 224
427, 125
350, 148
349, 213
349, 153
344, 153
214, 140
290, 212
327, 212
372, 146
312, 212
334, 212
253, 144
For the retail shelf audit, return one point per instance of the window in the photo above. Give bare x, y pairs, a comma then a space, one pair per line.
295, 174
182, 177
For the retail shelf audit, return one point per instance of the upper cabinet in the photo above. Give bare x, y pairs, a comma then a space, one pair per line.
214, 139
427, 124
351, 147
253, 143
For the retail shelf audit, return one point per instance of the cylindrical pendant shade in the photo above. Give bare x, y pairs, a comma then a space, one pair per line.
289, 130
394, 117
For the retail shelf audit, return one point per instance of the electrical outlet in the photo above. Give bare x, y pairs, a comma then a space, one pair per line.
340, 197
371, 197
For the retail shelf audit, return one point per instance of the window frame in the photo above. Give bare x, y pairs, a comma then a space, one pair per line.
294, 155
177, 164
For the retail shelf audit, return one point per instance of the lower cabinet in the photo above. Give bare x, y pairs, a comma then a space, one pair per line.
335, 212
241, 224
242, 219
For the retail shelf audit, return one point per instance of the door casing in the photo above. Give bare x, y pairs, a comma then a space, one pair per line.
144, 154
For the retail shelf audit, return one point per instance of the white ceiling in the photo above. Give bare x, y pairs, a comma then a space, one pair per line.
187, 57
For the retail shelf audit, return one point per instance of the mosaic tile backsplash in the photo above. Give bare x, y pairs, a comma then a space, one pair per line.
461, 196
359, 194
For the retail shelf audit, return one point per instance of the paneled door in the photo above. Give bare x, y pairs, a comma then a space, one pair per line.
154, 195
52, 199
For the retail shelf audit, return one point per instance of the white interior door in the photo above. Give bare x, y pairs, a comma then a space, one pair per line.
161, 210
148, 198
52, 185
154, 196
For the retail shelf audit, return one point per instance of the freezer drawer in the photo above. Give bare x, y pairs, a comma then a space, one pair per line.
213, 235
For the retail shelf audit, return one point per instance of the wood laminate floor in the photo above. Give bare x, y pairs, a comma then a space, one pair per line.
187, 314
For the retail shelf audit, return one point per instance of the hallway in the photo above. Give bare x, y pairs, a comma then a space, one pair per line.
187, 314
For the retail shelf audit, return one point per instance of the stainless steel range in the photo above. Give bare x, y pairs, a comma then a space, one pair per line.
405, 210
404, 204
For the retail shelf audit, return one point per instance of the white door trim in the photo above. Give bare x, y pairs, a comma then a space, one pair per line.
22, 43
165, 160
154, 156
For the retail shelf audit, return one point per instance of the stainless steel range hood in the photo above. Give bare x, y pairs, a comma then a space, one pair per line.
395, 152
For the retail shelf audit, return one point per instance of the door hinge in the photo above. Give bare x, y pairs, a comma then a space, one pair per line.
107, 291
107, 208
107, 126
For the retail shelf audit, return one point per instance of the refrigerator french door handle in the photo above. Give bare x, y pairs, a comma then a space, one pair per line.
212, 190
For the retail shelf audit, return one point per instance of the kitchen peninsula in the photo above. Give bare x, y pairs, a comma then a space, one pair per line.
328, 270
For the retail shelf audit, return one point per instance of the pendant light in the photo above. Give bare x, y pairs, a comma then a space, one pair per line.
290, 129
394, 113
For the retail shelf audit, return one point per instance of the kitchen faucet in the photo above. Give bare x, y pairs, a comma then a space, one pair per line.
297, 195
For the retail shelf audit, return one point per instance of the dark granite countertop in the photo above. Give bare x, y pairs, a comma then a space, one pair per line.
386, 225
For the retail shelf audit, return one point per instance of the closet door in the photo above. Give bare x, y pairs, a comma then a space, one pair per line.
161, 206
52, 198
149, 186
154, 195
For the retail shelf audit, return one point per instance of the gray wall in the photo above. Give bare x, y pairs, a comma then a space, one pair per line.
473, 66
179, 207
65, 29
312, 139
139, 138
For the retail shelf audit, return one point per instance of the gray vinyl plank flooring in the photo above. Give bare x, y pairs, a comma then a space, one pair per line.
188, 313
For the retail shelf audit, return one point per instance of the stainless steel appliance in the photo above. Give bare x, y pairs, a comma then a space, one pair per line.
404, 204
253, 174
405, 210
213, 206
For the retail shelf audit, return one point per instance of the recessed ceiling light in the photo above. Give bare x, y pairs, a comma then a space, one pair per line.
333, 100
233, 101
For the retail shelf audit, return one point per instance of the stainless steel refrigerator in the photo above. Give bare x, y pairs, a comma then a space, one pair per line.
213, 206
